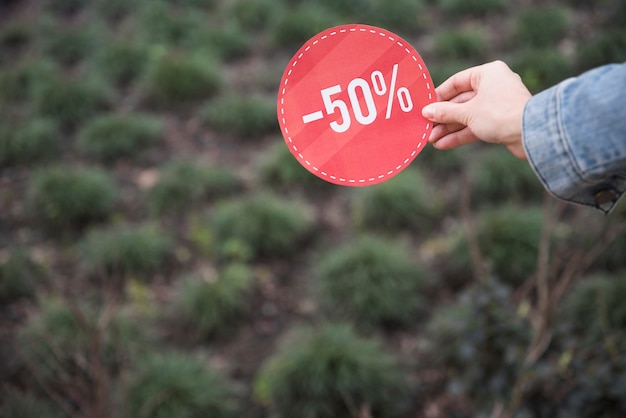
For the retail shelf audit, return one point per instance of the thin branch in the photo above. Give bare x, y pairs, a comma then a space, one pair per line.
478, 261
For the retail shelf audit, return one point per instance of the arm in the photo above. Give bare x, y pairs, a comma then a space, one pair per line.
574, 134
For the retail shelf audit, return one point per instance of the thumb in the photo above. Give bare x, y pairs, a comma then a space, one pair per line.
446, 112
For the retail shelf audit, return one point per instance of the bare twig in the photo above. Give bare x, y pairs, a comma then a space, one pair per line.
478, 261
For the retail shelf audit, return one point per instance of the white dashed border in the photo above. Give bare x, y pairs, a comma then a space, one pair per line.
315, 41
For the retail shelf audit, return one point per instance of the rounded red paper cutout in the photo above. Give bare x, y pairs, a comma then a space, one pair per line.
350, 105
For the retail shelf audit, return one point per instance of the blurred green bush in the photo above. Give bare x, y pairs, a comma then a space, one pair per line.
213, 303
330, 372
122, 62
19, 276
543, 27
295, 28
66, 346
605, 47
24, 404
280, 170
471, 7
69, 46
33, 142
176, 79
113, 136
594, 308
257, 15
404, 203
371, 281
65, 7
183, 184
479, 343
461, 44
497, 177
261, 226
176, 385
68, 199
509, 240
542, 68
70, 102
245, 117
124, 250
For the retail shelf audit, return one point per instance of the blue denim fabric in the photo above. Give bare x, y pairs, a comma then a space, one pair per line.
575, 137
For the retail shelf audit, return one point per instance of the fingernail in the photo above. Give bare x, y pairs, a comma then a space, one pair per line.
429, 111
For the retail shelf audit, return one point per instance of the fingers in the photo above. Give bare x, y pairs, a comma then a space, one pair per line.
458, 83
446, 112
455, 139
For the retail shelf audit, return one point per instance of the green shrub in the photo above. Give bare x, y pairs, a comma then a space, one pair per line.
114, 11
612, 258
174, 80
588, 382
213, 303
178, 386
542, 68
70, 102
245, 117
479, 343
185, 183
295, 28
124, 250
605, 47
123, 63
22, 404
58, 346
498, 177
588, 337
256, 15
441, 71
67, 199
164, 25
444, 164
261, 226
372, 281
330, 372
509, 239
15, 38
69, 46
201, 4
594, 308
113, 136
228, 43
471, 7
460, 44
403, 203
280, 170
396, 15
19, 276
18, 83
35, 142
65, 7
542, 27
346, 8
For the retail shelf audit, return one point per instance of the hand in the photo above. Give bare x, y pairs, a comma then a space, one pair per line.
481, 103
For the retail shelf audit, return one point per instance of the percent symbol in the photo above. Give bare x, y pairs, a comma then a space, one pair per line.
380, 88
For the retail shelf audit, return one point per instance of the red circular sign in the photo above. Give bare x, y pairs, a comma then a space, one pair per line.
350, 105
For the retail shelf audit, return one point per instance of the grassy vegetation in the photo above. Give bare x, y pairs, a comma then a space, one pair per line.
64, 199
213, 303
372, 282
110, 137
183, 184
330, 372
163, 254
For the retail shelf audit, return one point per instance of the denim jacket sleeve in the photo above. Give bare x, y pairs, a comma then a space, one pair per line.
574, 135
